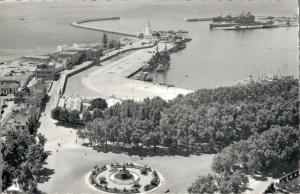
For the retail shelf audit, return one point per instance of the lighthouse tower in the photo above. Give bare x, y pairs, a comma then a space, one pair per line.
148, 33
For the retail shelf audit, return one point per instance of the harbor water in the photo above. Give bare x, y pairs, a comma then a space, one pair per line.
211, 59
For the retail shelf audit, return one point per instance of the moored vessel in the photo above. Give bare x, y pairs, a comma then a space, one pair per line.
242, 22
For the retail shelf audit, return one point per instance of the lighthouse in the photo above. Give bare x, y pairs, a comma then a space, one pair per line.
148, 33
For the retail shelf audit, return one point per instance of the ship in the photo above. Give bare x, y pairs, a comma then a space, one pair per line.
227, 18
164, 62
181, 45
159, 58
150, 67
242, 22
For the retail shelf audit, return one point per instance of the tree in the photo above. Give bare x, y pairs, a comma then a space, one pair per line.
204, 184
208, 120
8, 172
261, 152
97, 113
232, 183
113, 44
23, 158
86, 116
98, 103
73, 117
66, 116
104, 40
55, 113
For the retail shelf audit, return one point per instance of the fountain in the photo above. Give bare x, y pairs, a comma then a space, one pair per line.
125, 178
123, 174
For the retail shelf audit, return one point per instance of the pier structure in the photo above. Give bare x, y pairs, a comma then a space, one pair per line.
81, 24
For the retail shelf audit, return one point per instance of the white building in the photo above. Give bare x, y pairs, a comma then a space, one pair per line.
45, 71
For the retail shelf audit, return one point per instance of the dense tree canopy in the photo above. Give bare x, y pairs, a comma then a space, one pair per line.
254, 127
265, 152
66, 116
261, 152
23, 158
104, 40
98, 103
234, 182
204, 184
208, 119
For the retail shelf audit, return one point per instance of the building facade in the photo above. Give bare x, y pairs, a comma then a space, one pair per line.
45, 71
8, 87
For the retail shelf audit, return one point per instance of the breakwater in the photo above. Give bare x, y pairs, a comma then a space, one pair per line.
97, 19
79, 24
197, 19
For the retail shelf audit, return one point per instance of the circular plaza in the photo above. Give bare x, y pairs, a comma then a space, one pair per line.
124, 178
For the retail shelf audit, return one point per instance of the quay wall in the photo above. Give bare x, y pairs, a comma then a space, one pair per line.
73, 72
65, 77
126, 50
133, 73
78, 25
97, 19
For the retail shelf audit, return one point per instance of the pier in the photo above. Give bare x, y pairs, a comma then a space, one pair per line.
80, 24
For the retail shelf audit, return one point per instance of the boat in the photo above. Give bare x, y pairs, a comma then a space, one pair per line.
227, 18
242, 22
159, 58
179, 45
187, 39
150, 67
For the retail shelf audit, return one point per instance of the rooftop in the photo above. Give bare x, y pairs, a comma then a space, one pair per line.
9, 84
40, 57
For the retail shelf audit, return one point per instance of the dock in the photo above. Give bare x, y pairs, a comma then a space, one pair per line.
111, 79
